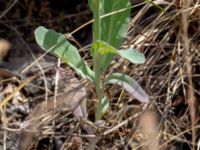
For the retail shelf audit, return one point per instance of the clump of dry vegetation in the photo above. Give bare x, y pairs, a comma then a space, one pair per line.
167, 32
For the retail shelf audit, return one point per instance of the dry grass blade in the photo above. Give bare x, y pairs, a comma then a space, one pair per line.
188, 56
160, 36
12, 4
73, 97
9, 97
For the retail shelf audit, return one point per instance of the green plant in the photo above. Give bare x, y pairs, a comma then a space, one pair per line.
111, 20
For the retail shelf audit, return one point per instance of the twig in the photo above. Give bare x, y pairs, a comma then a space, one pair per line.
118, 126
8, 9
186, 44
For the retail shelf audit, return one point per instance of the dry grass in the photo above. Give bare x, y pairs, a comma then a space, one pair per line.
170, 40
165, 74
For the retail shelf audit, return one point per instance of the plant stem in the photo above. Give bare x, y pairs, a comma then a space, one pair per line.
97, 20
99, 91
96, 59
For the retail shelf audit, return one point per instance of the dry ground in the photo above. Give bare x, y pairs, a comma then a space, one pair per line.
167, 32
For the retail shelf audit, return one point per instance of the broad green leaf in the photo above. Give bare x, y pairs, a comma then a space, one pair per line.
56, 43
105, 52
132, 55
129, 84
113, 28
105, 49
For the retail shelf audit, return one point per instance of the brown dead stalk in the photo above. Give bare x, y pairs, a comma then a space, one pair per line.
186, 44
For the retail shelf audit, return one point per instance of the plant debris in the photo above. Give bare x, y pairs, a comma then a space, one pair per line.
30, 120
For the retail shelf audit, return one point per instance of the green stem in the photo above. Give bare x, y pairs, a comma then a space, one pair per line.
97, 20
100, 94
96, 59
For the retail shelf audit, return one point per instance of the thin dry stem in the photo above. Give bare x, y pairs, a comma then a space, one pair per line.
186, 44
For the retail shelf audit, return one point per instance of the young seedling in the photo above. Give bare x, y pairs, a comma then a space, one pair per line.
111, 20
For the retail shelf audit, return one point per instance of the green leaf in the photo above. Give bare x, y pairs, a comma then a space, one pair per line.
132, 55
106, 53
129, 84
56, 43
115, 26
103, 48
